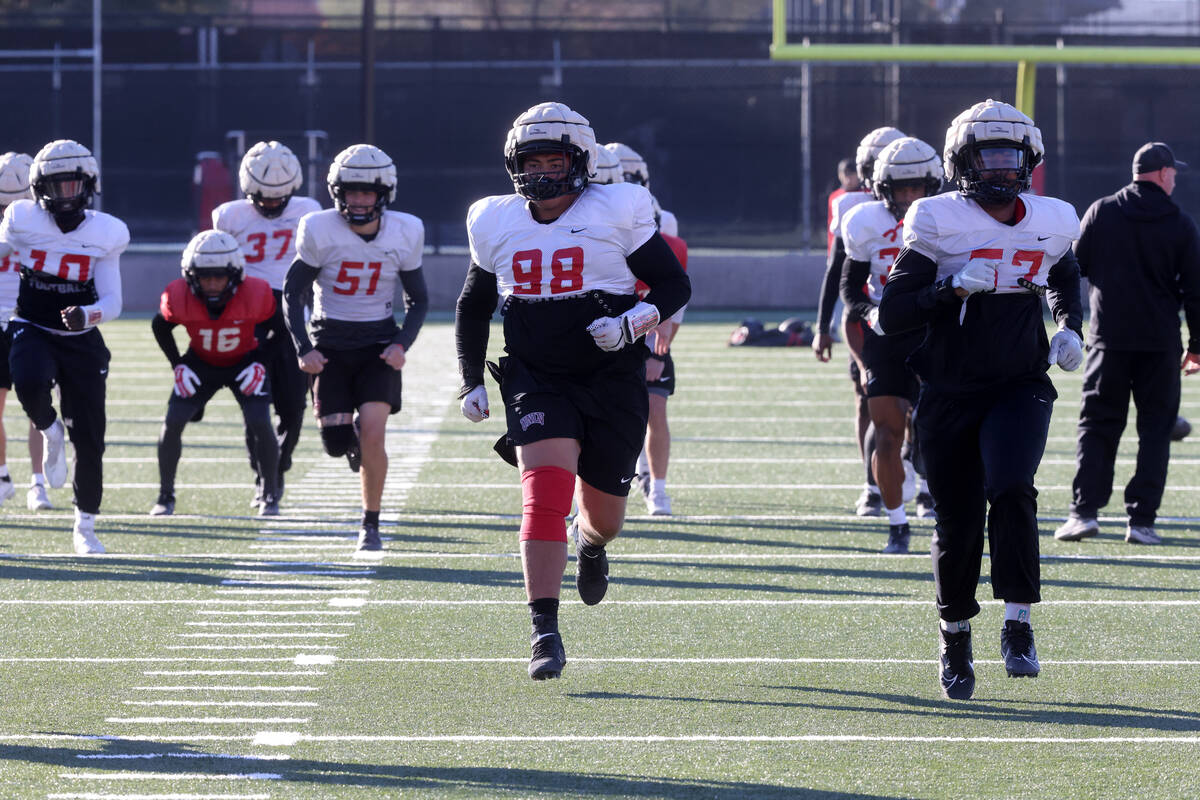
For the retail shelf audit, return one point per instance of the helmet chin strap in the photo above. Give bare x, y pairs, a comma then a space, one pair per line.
68, 221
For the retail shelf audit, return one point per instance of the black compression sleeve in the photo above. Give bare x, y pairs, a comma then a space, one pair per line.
416, 305
166, 340
299, 280
655, 264
472, 317
1063, 295
854, 280
829, 285
911, 296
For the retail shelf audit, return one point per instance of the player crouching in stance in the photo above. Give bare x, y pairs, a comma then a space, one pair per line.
70, 259
220, 307
565, 256
905, 170
975, 267
352, 256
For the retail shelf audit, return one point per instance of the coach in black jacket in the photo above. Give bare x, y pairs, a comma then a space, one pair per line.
1141, 254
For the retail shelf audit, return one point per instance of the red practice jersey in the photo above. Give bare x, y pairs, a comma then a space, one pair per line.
678, 247
224, 341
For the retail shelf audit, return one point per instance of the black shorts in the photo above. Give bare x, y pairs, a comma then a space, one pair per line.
665, 385
605, 411
5, 345
353, 377
888, 373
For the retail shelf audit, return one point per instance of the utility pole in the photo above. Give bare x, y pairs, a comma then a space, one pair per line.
368, 72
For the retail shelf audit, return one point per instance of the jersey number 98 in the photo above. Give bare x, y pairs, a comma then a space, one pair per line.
566, 271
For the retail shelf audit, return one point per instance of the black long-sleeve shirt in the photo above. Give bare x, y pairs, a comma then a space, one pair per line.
1141, 256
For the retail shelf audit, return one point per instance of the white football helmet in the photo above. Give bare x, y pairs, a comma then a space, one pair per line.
270, 171
868, 151
550, 128
992, 137
608, 167
14, 178
905, 162
633, 166
64, 176
210, 253
362, 166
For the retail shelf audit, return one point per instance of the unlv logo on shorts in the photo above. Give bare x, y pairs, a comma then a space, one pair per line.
535, 418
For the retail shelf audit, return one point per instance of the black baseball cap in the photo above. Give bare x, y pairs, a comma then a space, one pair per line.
1153, 156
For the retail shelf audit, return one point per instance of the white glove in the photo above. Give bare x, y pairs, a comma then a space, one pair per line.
186, 380
475, 404
613, 333
977, 276
250, 380
873, 320
1066, 350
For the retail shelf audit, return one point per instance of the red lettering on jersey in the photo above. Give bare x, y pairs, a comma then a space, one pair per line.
224, 341
566, 271
286, 235
987, 252
894, 232
259, 242
1034, 257
71, 266
348, 283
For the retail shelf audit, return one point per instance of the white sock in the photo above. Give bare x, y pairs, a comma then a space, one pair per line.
896, 516
660, 486
872, 488
83, 516
37, 479
643, 465
956, 626
1017, 611
922, 486
3, 471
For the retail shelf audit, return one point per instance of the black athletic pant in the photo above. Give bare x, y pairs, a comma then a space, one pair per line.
256, 412
289, 391
978, 450
79, 365
1108, 379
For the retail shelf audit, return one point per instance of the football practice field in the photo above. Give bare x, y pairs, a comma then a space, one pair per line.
755, 645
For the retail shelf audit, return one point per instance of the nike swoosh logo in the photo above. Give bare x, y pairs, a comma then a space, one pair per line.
579, 230
627, 480
1042, 238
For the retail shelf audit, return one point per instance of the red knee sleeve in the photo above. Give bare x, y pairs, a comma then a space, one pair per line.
546, 494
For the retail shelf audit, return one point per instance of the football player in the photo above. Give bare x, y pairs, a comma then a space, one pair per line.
655, 457
264, 223
352, 257
14, 185
69, 258
905, 170
975, 266
220, 307
565, 256
869, 502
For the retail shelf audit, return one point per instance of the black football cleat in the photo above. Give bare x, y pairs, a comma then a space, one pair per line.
548, 657
898, 536
354, 457
591, 569
269, 507
368, 539
957, 664
1016, 647
925, 509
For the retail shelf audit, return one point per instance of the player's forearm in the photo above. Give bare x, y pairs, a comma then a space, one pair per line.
829, 285
416, 306
109, 300
655, 264
854, 278
165, 338
911, 297
472, 319
1063, 294
299, 280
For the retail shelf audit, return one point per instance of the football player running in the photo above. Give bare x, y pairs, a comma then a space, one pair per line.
905, 170
352, 257
220, 307
264, 223
565, 256
869, 502
975, 267
69, 258
654, 459
14, 186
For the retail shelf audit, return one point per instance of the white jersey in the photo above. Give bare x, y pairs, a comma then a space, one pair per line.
10, 280
872, 234
268, 243
581, 251
81, 267
357, 282
953, 230
842, 206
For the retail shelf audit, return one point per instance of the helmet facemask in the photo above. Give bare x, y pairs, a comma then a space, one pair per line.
271, 211
541, 185
65, 195
885, 190
374, 212
994, 172
214, 303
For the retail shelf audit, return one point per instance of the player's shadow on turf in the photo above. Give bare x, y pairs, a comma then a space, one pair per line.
1106, 715
706, 569
746, 537
118, 569
150, 758
508, 578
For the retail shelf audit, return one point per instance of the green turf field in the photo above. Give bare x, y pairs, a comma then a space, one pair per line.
756, 645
